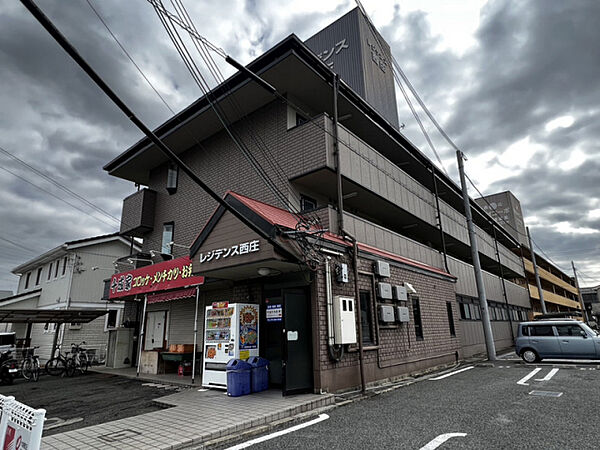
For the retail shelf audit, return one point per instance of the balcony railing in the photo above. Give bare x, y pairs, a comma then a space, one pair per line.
551, 297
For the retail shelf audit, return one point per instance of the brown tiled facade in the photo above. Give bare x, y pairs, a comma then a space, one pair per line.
397, 351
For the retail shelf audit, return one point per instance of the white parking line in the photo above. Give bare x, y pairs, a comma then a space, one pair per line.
441, 377
440, 440
260, 439
523, 380
549, 376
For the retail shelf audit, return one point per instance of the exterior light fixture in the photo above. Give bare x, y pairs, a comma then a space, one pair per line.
264, 271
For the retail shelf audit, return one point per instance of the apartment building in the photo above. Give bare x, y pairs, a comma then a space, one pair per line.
558, 289
68, 277
341, 143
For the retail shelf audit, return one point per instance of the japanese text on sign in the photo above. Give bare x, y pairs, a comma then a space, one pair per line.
377, 56
238, 249
326, 54
125, 283
165, 275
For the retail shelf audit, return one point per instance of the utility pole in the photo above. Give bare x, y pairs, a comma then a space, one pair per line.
535, 271
583, 310
485, 314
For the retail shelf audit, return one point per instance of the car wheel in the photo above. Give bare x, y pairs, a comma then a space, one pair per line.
530, 356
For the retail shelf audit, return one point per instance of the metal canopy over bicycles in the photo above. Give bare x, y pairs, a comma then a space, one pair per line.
57, 316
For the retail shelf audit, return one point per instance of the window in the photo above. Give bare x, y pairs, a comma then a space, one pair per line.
56, 268
111, 319
172, 176
450, 319
38, 277
569, 330
476, 311
167, 238
49, 327
504, 314
465, 311
49, 272
540, 330
307, 203
300, 119
417, 318
64, 265
366, 318
27, 279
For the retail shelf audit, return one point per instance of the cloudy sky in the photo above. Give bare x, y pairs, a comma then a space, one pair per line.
515, 83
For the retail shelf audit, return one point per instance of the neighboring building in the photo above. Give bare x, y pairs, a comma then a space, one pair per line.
4, 294
506, 209
559, 289
400, 207
591, 300
69, 276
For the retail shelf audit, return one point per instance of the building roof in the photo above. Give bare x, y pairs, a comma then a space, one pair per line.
279, 65
50, 315
69, 245
281, 218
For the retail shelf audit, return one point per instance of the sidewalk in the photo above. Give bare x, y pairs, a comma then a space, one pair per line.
191, 417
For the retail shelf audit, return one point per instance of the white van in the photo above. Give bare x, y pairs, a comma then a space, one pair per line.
8, 342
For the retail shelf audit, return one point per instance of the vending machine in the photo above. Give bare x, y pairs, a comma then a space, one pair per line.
230, 332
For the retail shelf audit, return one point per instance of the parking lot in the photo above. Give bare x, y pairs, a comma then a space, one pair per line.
505, 405
85, 400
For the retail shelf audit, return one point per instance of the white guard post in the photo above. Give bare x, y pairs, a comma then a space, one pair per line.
20, 426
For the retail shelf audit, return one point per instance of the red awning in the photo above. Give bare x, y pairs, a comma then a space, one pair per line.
173, 295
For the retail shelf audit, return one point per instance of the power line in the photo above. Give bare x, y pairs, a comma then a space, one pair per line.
58, 184
16, 244
55, 196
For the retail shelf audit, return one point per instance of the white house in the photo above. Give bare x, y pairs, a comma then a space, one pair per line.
70, 276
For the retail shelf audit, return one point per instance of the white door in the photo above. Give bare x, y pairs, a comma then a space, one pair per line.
155, 330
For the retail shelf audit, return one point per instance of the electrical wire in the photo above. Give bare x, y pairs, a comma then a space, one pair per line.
17, 244
55, 196
58, 184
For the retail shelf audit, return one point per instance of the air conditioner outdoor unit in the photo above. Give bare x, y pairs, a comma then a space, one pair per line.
386, 313
400, 293
384, 290
381, 268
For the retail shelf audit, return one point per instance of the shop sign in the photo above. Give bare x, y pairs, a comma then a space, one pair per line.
220, 305
274, 313
243, 248
171, 274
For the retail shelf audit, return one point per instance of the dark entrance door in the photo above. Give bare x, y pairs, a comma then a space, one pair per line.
297, 343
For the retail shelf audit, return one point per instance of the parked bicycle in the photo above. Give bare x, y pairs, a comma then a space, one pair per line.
80, 358
30, 367
60, 365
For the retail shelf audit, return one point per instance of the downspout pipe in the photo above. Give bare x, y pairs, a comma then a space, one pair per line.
335, 354
363, 384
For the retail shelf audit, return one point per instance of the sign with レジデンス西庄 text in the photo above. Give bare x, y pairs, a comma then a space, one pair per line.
171, 274
235, 250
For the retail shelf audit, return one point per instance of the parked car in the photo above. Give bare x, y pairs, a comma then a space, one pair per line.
559, 339
8, 341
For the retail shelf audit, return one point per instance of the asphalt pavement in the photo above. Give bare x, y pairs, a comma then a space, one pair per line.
489, 407
85, 400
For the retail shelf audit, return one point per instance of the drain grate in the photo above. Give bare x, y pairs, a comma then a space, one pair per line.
546, 393
119, 435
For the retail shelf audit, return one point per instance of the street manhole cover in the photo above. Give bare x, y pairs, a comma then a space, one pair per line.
546, 393
119, 435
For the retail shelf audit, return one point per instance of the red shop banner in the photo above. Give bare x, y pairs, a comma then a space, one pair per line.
163, 276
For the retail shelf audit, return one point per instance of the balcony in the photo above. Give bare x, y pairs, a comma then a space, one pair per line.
381, 192
137, 217
544, 274
551, 297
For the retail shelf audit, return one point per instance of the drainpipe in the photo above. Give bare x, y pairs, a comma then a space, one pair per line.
336, 152
363, 386
335, 354
439, 220
62, 336
141, 336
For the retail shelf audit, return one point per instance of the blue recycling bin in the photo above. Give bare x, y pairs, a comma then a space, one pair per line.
260, 373
239, 374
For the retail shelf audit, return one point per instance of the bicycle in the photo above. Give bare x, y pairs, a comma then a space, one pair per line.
60, 365
30, 367
79, 357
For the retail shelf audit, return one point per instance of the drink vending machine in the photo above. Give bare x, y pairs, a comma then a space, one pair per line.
230, 332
